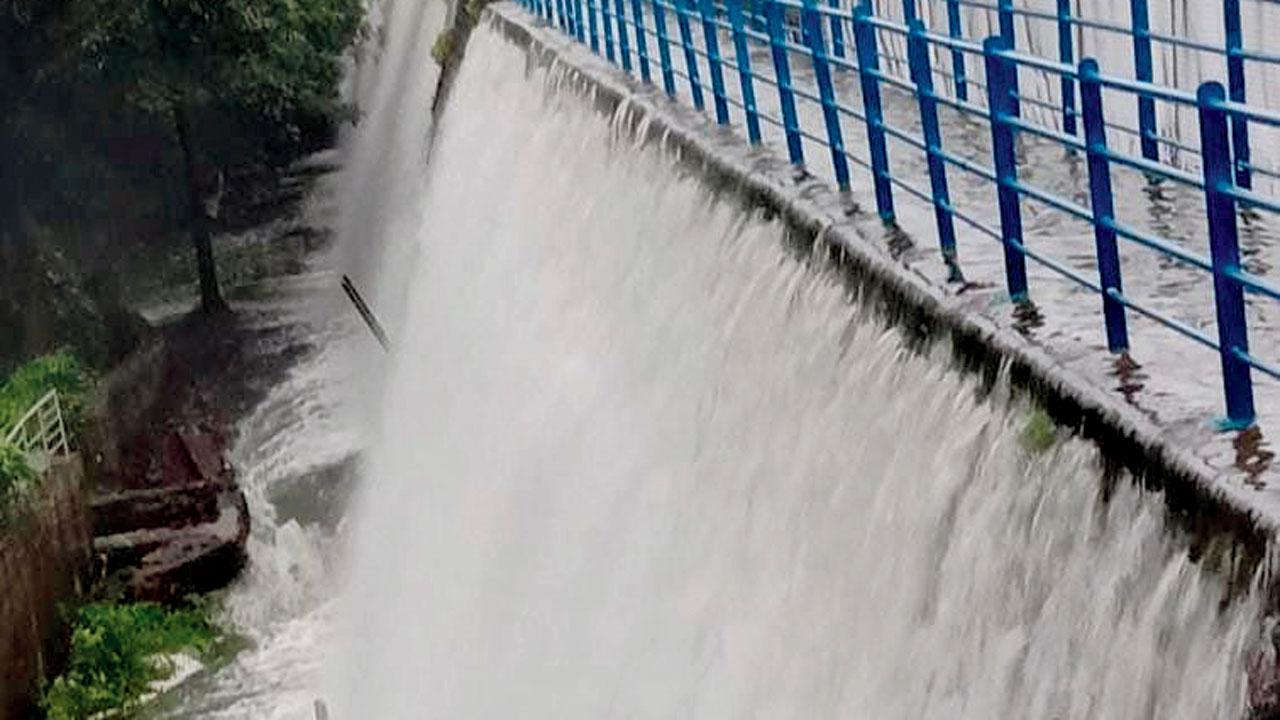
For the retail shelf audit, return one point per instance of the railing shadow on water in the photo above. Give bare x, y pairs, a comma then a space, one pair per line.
981, 80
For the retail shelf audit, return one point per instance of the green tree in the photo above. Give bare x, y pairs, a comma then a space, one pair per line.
230, 76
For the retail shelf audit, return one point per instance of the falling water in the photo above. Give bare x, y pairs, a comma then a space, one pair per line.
642, 457
393, 86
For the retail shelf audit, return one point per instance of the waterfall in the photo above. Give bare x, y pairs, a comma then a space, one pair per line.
643, 456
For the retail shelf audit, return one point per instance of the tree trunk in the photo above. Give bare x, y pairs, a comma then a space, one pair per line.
210, 295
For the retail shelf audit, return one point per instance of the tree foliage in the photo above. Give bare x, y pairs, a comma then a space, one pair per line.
234, 76
118, 651
16, 479
273, 59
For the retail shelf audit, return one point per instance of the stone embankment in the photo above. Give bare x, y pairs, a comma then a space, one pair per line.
44, 567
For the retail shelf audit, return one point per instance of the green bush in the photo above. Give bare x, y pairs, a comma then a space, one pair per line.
443, 46
117, 651
27, 384
16, 476
1040, 433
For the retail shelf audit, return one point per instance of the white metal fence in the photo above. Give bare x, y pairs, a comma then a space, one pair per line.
41, 432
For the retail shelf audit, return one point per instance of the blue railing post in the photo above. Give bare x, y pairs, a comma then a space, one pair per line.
1143, 72
1004, 8
812, 20
758, 21
642, 43
624, 44
605, 16
664, 47
908, 11
1224, 246
837, 29
782, 70
864, 39
922, 76
690, 55
711, 39
742, 58
592, 29
579, 31
560, 18
1002, 103
955, 28
1104, 233
1236, 91
1067, 55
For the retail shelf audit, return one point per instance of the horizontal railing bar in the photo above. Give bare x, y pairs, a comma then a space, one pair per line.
1256, 363
1251, 113
1158, 245
1262, 170
1175, 325
1118, 29
1252, 198
1073, 209
1044, 132
1057, 267
1259, 56
1156, 92
1253, 283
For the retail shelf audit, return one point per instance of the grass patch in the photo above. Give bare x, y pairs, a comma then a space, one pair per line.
118, 651
28, 383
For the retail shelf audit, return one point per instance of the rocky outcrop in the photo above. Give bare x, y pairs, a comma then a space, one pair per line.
163, 545
1264, 679
169, 520
185, 534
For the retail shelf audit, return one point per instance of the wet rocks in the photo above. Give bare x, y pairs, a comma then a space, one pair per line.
163, 544
166, 564
1264, 680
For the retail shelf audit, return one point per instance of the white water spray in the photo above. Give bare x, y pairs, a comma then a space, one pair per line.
384, 159
641, 460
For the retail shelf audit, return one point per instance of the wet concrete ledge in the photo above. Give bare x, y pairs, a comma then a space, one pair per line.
1205, 501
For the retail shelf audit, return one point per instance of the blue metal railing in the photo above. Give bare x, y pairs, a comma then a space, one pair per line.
758, 41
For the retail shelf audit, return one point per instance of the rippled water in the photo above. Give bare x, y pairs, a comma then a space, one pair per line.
295, 460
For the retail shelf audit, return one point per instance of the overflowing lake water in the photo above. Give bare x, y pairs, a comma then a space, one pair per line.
637, 453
